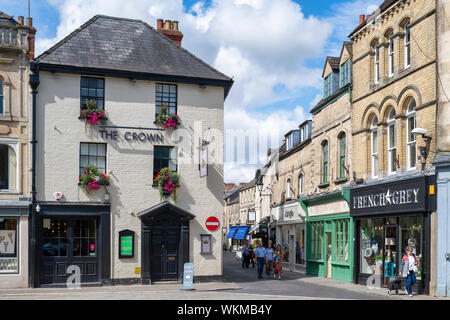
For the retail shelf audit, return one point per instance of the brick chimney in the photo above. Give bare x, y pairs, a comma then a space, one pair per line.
32, 32
362, 18
170, 30
229, 186
20, 20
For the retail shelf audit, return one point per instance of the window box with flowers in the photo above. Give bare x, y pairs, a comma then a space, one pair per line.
91, 113
92, 179
166, 119
167, 182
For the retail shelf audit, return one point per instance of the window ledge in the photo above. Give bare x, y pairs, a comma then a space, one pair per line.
339, 181
324, 185
12, 192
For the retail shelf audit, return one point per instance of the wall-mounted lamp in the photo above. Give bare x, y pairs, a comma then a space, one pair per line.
423, 150
421, 132
38, 208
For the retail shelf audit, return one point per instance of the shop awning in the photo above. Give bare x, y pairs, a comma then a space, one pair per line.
240, 233
231, 233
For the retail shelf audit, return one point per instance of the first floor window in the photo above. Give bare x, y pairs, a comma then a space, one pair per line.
9, 261
93, 154
166, 94
8, 167
92, 89
325, 162
342, 156
410, 138
374, 147
164, 157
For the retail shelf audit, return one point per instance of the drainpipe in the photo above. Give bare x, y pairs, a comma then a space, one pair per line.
34, 83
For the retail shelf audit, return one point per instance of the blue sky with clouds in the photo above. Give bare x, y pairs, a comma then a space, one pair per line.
275, 50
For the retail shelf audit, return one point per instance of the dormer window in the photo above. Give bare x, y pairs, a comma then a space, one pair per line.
345, 73
328, 86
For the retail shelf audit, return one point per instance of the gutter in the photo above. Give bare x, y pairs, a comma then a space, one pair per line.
34, 83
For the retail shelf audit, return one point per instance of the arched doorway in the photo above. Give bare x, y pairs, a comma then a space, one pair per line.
165, 242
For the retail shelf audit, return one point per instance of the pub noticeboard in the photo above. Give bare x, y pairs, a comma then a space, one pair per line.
126, 244
401, 196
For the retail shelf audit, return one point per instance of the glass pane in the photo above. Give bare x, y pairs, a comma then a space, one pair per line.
102, 149
158, 88
76, 247
92, 229
84, 228
412, 155
411, 235
84, 82
83, 161
92, 246
92, 92
166, 88
63, 245
99, 92
50, 247
84, 149
84, 92
371, 246
93, 160
92, 149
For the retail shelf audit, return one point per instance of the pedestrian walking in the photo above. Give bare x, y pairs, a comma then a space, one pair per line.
278, 261
251, 254
269, 259
245, 256
260, 254
408, 269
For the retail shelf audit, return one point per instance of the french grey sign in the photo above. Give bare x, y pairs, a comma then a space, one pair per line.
398, 196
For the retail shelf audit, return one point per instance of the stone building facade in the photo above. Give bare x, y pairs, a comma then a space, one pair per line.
16, 50
394, 94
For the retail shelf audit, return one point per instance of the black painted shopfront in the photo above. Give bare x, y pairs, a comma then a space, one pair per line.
388, 218
165, 242
73, 235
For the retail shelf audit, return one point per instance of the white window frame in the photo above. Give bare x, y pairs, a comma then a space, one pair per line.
391, 148
407, 45
373, 150
377, 64
300, 184
14, 144
288, 188
410, 143
391, 55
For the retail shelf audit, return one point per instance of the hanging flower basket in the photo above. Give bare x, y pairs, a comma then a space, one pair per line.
166, 119
93, 114
167, 182
92, 179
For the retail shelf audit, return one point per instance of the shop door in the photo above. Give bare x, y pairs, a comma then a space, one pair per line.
164, 254
69, 242
328, 255
390, 253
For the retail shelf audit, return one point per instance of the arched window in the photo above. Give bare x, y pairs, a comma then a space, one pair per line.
288, 189
342, 155
374, 146
410, 138
1, 96
391, 54
407, 45
325, 162
300, 184
392, 143
376, 62
8, 168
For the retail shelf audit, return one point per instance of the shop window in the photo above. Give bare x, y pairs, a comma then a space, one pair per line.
371, 246
165, 157
341, 241
1, 96
316, 240
9, 260
84, 238
410, 138
92, 89
55, 238
411, 235
166, 94
8, 167
93, 154
392, 145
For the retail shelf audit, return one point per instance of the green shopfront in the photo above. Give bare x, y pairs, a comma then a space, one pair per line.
329, 236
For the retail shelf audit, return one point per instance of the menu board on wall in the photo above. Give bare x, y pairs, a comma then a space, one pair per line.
7, 241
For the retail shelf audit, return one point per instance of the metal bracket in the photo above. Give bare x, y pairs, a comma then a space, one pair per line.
447, 256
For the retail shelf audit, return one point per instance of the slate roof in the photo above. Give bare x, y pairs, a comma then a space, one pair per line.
7, 20
383, 7
334, 63
119, 44
348, 46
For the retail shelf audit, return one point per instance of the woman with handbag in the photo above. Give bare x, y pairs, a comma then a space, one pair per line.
408, 269
278, 262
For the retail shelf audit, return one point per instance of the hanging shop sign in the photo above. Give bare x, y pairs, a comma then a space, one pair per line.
399, 196
131, 136
126, 244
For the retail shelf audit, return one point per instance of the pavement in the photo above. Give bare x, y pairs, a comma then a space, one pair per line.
237, 284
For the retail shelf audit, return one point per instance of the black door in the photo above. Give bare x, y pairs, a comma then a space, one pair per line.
69, 242
164, 254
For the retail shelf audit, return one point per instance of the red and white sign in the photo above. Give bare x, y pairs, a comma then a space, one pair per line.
212, 224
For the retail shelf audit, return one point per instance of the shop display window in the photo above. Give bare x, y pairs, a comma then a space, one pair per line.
371, 242
341, 240
55, 238
316, 240
9, 261
411, 235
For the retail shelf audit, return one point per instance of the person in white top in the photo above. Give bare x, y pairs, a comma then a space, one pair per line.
408, 269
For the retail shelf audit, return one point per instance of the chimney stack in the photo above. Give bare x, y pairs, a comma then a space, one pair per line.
32, 37
170, 30
20, 20
361, 18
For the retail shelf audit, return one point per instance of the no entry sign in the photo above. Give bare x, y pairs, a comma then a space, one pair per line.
212, 224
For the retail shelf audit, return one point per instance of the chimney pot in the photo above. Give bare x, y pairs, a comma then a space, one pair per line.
29, 21
167, 24
20, 20
159, 24
361, 18
175, 25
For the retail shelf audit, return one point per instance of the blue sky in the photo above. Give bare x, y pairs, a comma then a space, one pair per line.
275, 50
